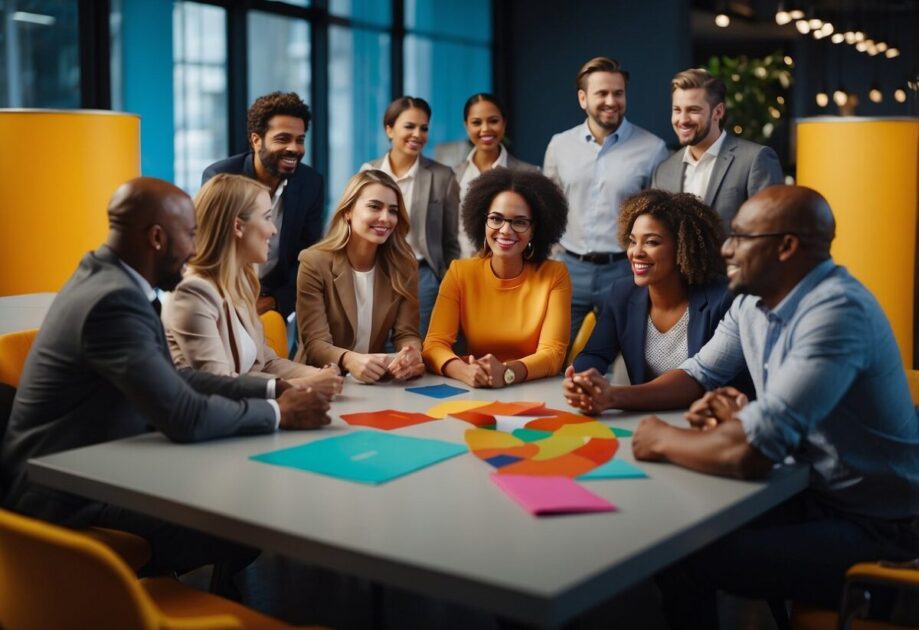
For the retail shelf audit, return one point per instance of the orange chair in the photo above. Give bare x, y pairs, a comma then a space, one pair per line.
276, 332
52, 577
14, 348
580, 339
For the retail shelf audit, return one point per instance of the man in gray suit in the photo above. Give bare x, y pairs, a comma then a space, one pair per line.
718, 168
100, 370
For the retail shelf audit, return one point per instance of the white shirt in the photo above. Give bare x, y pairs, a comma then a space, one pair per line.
467, 247
697, 173
277, 217
406, 184
363, 295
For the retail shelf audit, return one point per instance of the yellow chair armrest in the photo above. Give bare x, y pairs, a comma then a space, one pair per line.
885, 573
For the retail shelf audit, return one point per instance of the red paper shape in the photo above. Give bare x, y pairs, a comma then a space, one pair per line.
386, 419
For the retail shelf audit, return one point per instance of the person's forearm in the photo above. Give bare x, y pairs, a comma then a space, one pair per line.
674, 389
721, 451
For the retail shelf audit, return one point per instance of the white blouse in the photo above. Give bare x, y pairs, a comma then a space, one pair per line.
363, 295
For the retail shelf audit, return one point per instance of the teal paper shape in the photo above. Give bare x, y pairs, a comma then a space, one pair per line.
614, 469
370, 457
530, 435
620, 432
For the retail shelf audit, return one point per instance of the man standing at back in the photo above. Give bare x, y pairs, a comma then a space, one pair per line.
277, 126
598, 164
722, 170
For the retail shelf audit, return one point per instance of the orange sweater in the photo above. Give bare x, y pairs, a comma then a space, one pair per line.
527, 318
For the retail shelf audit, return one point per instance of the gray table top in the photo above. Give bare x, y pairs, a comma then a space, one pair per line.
445, 531
20, 312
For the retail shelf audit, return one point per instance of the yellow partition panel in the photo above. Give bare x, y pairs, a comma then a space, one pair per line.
57, 172
868, 169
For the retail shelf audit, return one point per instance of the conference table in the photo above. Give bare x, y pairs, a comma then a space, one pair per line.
445, 531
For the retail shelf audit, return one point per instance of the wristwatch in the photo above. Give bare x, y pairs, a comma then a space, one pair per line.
509, 376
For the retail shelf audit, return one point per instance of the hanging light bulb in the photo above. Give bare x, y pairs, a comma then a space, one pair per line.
861, 46
788, 61
892, 52
838, 38
803, 27
882, 46
722, 20
796, 14
874, 94
827, 28
859, 36
872, 49
782, 17
899, 95
815, 23
850, 37
818, 34
822, 99
840, 96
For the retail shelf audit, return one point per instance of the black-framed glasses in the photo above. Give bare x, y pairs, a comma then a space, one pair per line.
739, 236
519, 224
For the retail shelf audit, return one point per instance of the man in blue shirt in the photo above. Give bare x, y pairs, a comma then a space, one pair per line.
598, 164
831, 392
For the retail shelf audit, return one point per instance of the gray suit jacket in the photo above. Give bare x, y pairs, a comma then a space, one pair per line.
100, 370
434, 212
742, 169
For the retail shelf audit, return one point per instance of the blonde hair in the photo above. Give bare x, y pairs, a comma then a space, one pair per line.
395, 255
223, 199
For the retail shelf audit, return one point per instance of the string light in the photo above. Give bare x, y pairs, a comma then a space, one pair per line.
899, 95
722, 20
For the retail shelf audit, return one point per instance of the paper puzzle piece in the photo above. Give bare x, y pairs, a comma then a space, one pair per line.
598, 451
502, 460
570, 465
450, 407
386, 419
368, 457
551, 495
479, 439
475, 418
499, 408
620, 432
592, 429
615, 469
530, 435
437, 391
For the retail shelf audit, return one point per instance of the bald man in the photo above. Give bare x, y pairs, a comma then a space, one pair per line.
100, 370
831, 392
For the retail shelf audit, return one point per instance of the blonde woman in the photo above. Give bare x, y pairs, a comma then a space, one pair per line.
358, 287
211, 321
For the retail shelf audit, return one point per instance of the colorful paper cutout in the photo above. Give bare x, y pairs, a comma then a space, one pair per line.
621, 432
615, 469
386, 419
451, 407
551, 495
363, 456
530, 435
437, 391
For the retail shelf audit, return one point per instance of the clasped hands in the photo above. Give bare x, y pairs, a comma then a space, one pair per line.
371, 368
485, 371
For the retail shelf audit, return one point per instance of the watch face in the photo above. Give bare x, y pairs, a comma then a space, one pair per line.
509, 376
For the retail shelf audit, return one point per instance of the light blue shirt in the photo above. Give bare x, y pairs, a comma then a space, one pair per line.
596, 178
831, 390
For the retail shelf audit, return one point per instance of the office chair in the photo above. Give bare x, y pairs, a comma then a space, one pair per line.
52, 577
580, 339
276, 332
14, 348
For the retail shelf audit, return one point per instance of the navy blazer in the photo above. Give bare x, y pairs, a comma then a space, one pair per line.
623, 325
301, 227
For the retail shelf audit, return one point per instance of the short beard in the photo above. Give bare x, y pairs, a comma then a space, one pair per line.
698, 137
270, 161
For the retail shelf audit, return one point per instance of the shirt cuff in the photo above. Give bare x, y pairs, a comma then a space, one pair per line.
270, 389
277, 412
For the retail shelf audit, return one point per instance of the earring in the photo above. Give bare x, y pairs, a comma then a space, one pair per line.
529, 250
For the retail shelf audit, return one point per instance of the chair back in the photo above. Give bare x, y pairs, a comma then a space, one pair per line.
580, 339
14, 348
52, 577
275, 332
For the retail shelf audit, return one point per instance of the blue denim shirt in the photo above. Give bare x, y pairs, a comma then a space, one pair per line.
831, 390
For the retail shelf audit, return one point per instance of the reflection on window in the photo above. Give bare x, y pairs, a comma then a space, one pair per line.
375, 12
39, 54
279, 55
469, 20
470, 72
359, 91
200, 83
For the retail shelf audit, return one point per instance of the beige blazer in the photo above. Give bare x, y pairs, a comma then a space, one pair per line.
198, 333
327, 309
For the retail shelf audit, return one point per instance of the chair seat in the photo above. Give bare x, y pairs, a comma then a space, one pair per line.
806, 617
174, 599
134, 550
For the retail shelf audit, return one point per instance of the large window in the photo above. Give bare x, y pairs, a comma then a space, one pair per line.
200, 86
39, 54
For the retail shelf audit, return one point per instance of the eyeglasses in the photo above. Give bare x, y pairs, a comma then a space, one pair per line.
738, 236
519, 225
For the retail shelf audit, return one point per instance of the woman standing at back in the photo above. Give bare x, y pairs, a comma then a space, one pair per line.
430, 193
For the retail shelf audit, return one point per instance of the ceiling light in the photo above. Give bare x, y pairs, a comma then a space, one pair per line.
875, 95
796, 14
788, 60
892, 52
822, 99
850, 37
840, 97
722, 20
827, 28
782, 18
861, 46
899, 95
859, 36
803, 27
882, 46
815, 23
838, 38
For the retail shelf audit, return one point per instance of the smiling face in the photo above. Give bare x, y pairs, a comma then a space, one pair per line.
604, 100
374, 215
753, 264
253, 234
282, 147
651, 251
693, 118
505, 242
485, 126
409, 134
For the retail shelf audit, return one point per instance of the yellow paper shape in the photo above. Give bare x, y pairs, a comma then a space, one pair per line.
480, 439
557, 445
588, 430
444, 409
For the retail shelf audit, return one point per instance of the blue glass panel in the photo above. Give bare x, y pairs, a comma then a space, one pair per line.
469, 20
376, 12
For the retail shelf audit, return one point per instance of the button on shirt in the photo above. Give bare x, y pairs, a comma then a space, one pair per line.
597, 178
831, 391
697, 173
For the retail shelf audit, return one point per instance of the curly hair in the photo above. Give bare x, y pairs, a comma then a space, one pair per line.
548, 207
276, 104
696, 228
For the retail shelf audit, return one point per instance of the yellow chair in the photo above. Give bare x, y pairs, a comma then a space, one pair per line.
14, 348
276, 332
860, 579
580, 339
52, 577
913, 377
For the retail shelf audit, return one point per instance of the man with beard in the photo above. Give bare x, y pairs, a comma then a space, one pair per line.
831, 393
100, 370
723, 171
598, 164
277, 125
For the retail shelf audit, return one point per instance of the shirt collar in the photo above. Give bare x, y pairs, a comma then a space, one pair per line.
712, 151
279, 191
624, 131
785, 309
501, 161
140, 280
386, 167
